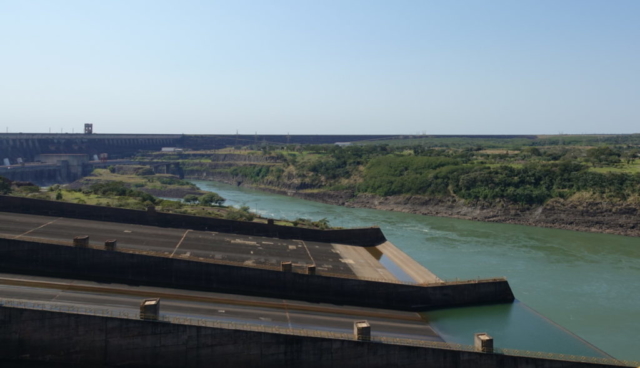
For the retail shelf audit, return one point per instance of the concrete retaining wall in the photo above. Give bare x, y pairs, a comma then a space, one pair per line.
100, 265
364, 237
90, 341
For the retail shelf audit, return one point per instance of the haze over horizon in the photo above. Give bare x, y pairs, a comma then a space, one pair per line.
330, 67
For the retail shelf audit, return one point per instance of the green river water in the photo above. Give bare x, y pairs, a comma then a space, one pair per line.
587, 283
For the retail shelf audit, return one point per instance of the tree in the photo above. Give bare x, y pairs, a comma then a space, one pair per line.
5, 185
532, 151
190, 198
603, 156
631, 155
211, 199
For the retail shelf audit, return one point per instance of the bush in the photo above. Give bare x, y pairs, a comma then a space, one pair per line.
241, 214
170, 205
30, 189
119, 189
5, 185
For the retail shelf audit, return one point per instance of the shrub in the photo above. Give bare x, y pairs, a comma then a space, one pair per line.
190, 198
30, 189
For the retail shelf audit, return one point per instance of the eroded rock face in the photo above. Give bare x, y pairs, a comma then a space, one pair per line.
602, 217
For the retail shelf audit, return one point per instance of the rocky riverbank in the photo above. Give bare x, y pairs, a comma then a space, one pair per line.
579, 215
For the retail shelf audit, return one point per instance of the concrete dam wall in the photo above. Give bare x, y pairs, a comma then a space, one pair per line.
93, 341
38, 258
28, 146
364, 236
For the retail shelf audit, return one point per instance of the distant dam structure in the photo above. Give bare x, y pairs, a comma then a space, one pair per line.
27, 146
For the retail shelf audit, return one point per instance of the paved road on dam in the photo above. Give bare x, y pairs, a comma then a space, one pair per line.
57, 293
330, 259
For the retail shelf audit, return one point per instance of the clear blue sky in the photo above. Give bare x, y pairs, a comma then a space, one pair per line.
321, 67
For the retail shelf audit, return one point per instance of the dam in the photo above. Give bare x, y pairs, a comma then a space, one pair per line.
27, 145
74, 277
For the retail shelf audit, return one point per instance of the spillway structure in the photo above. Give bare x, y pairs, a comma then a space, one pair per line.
99, 286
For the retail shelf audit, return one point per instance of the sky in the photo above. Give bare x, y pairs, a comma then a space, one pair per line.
320, 67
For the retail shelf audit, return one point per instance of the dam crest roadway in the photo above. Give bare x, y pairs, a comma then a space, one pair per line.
50, 288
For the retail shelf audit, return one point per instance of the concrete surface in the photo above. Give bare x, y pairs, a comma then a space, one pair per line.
97, 264
187, 244
93, 341
214, 306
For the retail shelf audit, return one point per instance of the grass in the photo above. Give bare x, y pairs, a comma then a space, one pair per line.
100, 175
499, 152
514, 165
132, 180
84, 198
632, 168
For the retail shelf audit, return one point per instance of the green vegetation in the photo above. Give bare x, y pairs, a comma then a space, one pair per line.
119, 189
136, 177
5, 185
125, 194
320, 224
211, 199
526, 171
515, 142
241, 214
30, 189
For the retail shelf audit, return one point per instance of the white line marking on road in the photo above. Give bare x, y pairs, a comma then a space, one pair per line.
309, 253
39, 227
180, 242
286, 311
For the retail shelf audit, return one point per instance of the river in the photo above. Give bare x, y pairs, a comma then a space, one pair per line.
587, 283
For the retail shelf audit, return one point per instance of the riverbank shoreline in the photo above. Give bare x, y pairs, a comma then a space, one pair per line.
594, 217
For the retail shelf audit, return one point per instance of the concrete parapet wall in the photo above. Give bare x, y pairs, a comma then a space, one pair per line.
100, 265
92, 341
364, 236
